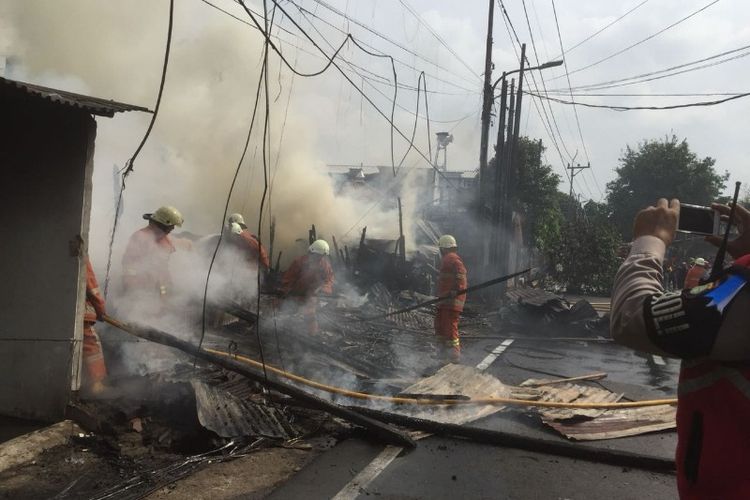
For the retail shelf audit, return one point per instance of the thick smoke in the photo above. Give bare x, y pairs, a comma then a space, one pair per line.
115, 50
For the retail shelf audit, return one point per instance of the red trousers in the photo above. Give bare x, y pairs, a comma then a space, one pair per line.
93, 358
446, 328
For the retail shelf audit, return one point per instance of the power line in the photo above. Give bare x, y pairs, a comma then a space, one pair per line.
653, 35
564, 53
544, 119
333, 63
575, 110
649, 94
439, 39
364, 26
655, 108
541, 76
403, 63
659, 74
360, 68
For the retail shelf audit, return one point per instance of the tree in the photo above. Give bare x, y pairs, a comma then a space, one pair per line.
660, 169
584, 258
536, 195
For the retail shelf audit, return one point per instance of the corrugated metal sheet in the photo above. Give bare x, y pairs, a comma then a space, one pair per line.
455, 380
594, 424
229, 416
620, 423
94, 105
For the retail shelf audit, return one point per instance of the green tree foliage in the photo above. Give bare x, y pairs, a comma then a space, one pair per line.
536, 195
660, 169
584, 258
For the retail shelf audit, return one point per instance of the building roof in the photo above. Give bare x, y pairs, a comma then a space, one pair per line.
94, 105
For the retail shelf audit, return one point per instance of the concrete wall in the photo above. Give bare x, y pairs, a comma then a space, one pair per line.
45, 188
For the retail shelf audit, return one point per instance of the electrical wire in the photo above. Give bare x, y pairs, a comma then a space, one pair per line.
387, 39
658, 75
129, 165
650, 37
575, 110
403, 63
424, 23
544, 119
228, 199
351, 82
564, 53
653, 108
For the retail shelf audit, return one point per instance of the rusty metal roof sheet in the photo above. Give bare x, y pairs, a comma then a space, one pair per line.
94, 105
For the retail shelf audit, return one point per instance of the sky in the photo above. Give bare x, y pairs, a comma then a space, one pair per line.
115, 50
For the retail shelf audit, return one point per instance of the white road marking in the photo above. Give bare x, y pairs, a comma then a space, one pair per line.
354, 488
497, 351
658, 360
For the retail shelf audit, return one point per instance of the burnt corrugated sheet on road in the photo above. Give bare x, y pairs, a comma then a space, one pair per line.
229, 416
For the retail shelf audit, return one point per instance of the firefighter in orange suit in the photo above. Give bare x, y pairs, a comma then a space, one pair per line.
256, 254
93, 358
146, 260
308, 276
452, 279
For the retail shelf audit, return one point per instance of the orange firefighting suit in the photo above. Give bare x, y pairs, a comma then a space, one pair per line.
146, 262
93, 358
452, 278
306, 277
255, 252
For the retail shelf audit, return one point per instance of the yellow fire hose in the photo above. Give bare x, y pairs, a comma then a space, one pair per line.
433, 402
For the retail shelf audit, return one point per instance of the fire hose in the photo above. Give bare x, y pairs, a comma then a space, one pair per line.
170, 340
441, 402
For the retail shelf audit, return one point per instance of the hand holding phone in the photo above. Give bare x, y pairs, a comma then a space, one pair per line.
696, 219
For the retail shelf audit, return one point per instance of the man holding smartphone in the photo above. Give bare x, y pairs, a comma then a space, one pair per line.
708, 327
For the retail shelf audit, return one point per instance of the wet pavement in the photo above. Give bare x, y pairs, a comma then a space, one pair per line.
453, 468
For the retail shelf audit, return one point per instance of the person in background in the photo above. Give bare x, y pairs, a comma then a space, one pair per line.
308, 276
146, 259
93, 359
708, 328
257, 257
696, 274
452, 278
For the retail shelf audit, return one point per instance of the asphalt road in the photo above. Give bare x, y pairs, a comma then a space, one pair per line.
453, 468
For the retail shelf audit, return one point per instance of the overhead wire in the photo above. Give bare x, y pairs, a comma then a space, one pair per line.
229, 197
655, 108
424, 23
598, 32
575, 110
398, 60
372, 31
333, 63
129, 165
546, 124
639, 42
659, 74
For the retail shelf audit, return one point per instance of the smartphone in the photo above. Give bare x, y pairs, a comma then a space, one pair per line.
695, 219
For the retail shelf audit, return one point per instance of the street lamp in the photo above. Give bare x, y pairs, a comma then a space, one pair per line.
548, 64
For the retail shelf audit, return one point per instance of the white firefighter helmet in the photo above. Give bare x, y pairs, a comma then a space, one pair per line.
235, 218
319, 247
447, 241
700, 262
167, 215
235, 228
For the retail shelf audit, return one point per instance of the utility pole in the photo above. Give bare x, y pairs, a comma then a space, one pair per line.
575, 170
511, 170
487, 98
